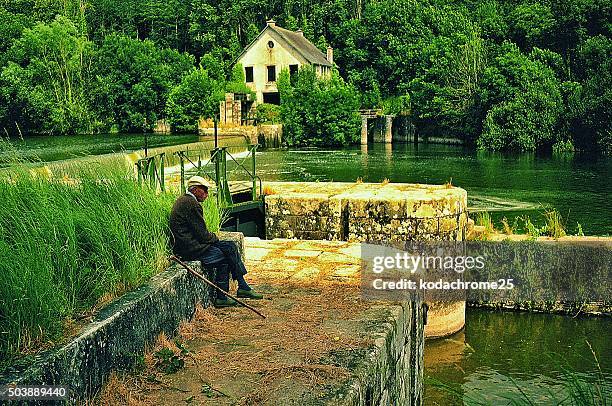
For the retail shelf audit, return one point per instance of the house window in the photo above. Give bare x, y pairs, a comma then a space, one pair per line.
248, 73
271, 73
271, 98
293, 70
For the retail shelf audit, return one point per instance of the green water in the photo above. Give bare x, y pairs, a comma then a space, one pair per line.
47, 149
500, 352
507, 185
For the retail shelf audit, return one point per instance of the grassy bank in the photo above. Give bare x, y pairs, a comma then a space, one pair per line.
68, 245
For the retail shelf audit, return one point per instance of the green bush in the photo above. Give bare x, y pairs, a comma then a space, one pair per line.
196, 96
318, 111
268, 113
524, 103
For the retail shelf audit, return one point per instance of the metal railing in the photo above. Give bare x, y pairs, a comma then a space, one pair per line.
151, 170
216, 169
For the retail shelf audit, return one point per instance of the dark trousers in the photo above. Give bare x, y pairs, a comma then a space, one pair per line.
224, 256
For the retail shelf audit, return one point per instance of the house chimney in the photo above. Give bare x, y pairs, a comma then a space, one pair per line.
330, 55
300, 32
271, 23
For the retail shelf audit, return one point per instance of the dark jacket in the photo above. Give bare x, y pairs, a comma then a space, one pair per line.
190, 237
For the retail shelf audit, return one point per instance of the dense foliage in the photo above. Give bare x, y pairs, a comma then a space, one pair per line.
503, 74
318, 111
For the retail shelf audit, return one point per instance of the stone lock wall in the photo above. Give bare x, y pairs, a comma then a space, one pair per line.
365, 212
392, 372
373, 212
305, 216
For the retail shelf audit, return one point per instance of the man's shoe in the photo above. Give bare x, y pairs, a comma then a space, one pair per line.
227, 302
249, 294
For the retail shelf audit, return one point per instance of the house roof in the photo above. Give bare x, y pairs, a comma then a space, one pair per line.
294, 40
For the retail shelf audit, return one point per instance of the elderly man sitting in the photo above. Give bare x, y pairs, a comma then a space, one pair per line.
193, 241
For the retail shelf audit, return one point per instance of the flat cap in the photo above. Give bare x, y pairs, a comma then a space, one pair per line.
198, 181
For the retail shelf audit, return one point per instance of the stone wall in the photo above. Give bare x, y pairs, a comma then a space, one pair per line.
373, 212
391, 373
267, 135
120, 332
365, 211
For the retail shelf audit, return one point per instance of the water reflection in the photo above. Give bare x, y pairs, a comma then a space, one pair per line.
501, 354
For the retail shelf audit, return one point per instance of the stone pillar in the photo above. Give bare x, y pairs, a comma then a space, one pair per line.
364, 130
237, 112
388, 129
229, 107
222, 111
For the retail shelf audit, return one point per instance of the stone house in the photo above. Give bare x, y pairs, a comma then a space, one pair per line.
276, 48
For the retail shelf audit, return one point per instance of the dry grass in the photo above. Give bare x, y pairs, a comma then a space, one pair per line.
268, 190
506, 227
119, 390
307, 320
289, 344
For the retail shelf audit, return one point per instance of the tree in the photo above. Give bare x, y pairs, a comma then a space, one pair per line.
318, 111
134, 79
592, 118
46, 79
523, 102
197, 96
531, 24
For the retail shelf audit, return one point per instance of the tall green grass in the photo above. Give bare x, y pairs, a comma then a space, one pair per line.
67, 242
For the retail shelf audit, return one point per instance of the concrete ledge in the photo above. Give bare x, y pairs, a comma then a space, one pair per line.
120, 332
365, 211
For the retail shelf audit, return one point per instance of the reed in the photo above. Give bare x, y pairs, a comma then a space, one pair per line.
65, 243
484, 219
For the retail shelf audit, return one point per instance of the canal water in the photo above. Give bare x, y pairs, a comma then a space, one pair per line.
579, 186
526, 357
